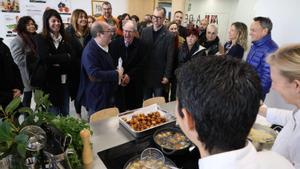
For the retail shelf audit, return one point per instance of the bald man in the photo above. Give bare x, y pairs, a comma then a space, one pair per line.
130, 50
211, 41
99, 77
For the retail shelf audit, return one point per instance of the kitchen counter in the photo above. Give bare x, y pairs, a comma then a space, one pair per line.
110, 134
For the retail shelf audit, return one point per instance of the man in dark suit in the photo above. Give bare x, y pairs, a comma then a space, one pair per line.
99, 77
130, 50
159, 55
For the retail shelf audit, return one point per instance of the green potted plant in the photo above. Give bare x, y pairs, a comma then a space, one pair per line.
13, 142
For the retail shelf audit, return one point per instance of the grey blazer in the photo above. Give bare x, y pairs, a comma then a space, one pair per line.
18, 52
159, 56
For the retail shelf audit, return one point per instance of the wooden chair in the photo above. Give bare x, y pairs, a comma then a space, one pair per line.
104, 114
157, 100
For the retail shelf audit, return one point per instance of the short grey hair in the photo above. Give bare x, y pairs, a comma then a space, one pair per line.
264, 22
214, 26
96, 28
131, 22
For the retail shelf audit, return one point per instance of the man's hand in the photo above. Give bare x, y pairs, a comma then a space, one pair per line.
120, 74
263, 109
165, 80
125, 80
16, 92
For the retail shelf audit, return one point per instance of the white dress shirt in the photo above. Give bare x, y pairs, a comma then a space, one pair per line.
245, 158
56, 40
287, 142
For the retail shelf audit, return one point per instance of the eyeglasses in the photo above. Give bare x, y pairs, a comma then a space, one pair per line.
109, 31
157, 17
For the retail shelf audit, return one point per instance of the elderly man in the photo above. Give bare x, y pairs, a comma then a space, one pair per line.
99, 78
159, 55
108, 18
262, 45
218, 101
178, 16
130, 50
211, 41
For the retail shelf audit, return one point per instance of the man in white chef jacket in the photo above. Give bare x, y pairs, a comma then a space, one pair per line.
218, 101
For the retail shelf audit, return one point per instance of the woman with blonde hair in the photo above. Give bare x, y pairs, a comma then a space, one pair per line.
79, 34
237, 44
285, 75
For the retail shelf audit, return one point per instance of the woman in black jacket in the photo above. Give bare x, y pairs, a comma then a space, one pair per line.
55, 54
190, 48
79, 34
237, 43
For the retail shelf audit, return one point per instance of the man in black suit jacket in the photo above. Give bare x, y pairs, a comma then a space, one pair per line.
159, 55
130, 50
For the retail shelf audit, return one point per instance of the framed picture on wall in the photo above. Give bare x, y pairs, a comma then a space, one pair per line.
97, 7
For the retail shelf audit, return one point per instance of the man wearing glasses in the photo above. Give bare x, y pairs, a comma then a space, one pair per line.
99, 78
159, 43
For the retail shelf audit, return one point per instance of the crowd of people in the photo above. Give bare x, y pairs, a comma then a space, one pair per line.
106, 61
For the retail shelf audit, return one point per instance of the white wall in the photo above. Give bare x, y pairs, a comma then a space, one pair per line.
119, 7
225, 9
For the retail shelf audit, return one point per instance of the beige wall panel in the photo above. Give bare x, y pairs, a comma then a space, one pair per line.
140, 7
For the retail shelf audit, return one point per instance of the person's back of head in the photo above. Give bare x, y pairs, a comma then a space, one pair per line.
222, 96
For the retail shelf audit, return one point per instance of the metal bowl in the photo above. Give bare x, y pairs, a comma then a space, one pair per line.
172, 141
263, 143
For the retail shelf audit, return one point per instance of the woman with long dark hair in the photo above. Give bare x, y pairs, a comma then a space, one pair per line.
79, 34
55, 54
23, 51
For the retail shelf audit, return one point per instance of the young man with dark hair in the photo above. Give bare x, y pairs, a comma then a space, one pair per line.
218, 101
178, 17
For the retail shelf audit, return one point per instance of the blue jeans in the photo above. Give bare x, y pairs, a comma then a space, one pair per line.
149, 92
62, 110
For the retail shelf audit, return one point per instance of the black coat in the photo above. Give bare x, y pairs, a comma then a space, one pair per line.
76, 61
212, 47
185, 55
236, 50
9, 74
182, 31
57, 62
130, 96
159, 56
